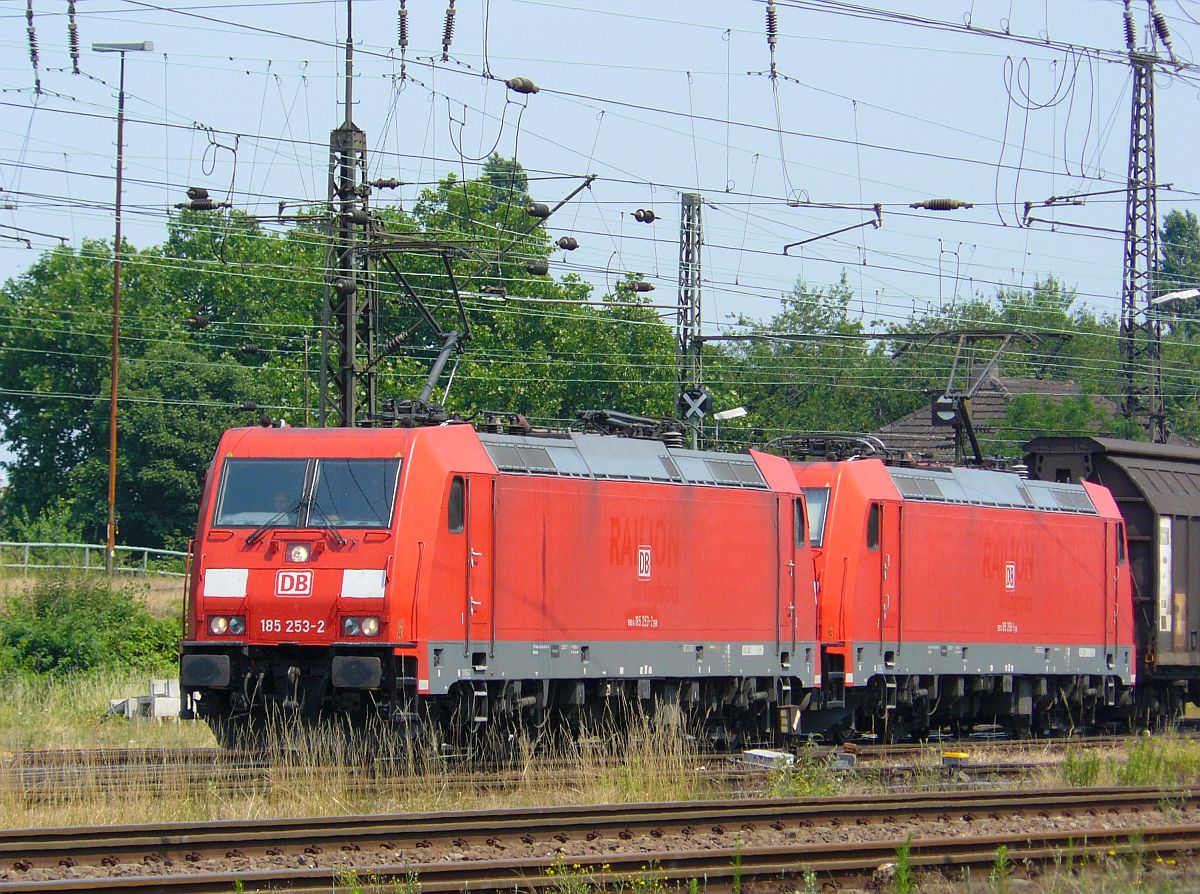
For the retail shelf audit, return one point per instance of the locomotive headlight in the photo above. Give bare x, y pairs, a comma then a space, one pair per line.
350, 627
237, 625
370, 626
218, 624
298, 552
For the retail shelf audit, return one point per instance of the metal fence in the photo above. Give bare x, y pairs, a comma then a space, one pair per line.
90, 557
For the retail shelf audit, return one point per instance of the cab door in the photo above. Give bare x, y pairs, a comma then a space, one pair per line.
1114, 557
802, 594
883, 529
481, 567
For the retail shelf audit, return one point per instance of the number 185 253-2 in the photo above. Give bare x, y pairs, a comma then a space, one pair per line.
291, 625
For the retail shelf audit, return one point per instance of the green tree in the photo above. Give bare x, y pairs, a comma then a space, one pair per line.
224, 313
1180, 242
199, 315
809, 368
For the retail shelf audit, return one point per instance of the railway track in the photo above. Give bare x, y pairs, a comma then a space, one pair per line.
113, 757
719, 864
189, 843
47, 776
48, 786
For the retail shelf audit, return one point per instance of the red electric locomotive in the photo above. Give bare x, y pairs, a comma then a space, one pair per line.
954, 596
444, 579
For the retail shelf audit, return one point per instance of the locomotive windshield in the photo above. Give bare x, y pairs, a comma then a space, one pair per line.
257, 491
307, 493
354, 493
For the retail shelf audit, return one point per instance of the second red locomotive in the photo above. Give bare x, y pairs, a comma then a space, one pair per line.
955, 596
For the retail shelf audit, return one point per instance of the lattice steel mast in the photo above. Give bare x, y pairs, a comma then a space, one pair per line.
693, 401
1141, 330
350, 305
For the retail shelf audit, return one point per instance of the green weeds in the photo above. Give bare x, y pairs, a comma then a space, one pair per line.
1080, 769
904, 879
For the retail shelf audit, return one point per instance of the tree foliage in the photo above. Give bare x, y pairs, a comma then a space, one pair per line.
1180, 242
225, 314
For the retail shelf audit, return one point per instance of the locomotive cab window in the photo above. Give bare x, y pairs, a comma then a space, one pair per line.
798, 525
456, 510
873, 518
353, 493
1120, 544
817, 501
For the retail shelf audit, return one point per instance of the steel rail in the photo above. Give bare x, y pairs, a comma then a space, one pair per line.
191, 842
718, 868
867, 750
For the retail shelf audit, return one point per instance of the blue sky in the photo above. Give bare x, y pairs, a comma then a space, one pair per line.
655, 99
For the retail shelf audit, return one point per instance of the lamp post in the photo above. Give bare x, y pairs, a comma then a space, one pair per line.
122, 48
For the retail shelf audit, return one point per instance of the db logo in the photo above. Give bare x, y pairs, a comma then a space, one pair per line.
643, 563
294, 583
1010, 576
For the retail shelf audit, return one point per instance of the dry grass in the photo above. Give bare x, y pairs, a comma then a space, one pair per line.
162, 596
44, 713
315, 772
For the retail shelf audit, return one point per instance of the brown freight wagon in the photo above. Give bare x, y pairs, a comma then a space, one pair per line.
1157, 487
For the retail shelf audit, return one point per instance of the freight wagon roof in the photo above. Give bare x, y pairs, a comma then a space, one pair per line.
575, 455
979, 487
1170, 487
1182, 450
1166, 475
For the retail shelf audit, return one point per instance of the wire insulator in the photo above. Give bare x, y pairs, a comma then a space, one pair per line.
73, 36
772, 31
567, 243
644, 215
941, 204
521, 85
402, 25
639, 285
32, 33
1130, 30
538, 266
1161, 29
448, 32
540, 210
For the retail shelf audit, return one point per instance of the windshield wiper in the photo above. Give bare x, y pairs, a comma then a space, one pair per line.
328, 525
257, 533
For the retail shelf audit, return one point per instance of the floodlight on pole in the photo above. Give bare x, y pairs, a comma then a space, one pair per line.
1182, 295
735, 413
144, 46
122, 48
725, 415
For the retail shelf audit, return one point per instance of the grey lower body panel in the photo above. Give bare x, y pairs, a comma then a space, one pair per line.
452, 662
911, 658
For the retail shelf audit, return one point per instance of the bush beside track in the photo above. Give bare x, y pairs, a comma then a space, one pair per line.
70, 625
